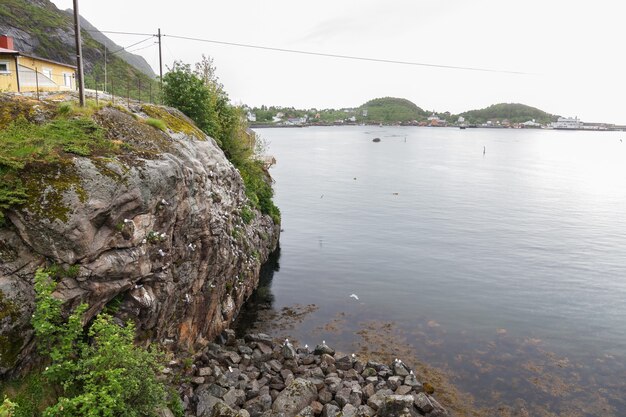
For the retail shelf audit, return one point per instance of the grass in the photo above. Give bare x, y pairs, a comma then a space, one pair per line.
24, 143
156, 123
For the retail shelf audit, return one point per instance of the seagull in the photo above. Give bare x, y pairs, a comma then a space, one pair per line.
306, 346
356, 297
286, 341
165, 203
411, 372
230, 369
143, 242
127, 220
323, 342
353, 355
161, 252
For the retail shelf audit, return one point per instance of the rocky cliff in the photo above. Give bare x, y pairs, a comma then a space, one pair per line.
160, 232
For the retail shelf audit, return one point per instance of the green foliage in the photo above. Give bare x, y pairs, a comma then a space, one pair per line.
186, 92
515, 113
103, 374
247, 215
391, 109
7, 408
156, 123
200, 96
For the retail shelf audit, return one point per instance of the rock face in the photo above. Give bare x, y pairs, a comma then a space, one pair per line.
156, 236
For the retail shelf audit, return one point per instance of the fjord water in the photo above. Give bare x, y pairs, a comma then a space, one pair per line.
515, 257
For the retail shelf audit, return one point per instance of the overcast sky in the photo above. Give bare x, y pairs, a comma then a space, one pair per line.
572, 50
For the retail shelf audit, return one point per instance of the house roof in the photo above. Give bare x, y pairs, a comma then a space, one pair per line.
47, 60
8, 51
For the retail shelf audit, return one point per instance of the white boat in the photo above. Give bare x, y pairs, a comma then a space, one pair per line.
567, 123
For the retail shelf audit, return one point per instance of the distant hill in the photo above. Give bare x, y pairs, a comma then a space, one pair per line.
391, 109
514, 112
39, 28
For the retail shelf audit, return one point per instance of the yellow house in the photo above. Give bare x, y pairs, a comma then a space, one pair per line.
20, 72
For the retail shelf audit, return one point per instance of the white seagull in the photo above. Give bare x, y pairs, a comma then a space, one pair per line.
356, 297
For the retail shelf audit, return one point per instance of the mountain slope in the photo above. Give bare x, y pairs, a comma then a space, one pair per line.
40, 28
514, 112
392, 109
136, 61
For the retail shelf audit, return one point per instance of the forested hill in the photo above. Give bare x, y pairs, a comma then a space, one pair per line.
39, 28
514, 112
391, 109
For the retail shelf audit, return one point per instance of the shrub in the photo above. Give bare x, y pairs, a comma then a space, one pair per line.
156, 123
7, 408
103, 374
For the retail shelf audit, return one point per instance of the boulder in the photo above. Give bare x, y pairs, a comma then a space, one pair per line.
295, 397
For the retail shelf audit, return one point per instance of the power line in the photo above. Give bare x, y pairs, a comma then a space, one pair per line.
134, 44
358, 58
121, 33
143, 47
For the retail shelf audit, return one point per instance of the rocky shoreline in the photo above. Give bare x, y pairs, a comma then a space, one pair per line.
257, 377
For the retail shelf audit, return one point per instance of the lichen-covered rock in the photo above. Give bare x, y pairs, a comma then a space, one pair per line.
295, 397
156, 234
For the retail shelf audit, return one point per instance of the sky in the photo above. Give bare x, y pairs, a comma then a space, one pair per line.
571, 52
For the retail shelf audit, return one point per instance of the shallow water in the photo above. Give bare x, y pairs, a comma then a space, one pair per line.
507, 269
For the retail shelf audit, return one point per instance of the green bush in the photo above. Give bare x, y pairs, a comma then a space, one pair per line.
156, 123
7, 408
200, 96
102, 374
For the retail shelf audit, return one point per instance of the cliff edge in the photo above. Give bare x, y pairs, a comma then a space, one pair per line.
153, 225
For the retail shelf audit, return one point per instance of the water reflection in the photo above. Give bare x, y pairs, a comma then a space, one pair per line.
262, 298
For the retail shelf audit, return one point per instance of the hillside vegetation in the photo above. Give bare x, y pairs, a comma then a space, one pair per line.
41, 29
391, 109
514, 112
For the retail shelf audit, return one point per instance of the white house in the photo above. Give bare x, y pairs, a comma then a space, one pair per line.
567, 123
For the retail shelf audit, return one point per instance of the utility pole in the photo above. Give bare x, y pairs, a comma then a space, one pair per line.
79, 56
160, 64
105, 68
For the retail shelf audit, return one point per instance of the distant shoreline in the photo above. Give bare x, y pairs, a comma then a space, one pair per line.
268, 126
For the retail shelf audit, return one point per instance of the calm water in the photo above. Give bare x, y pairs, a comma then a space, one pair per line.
508, 269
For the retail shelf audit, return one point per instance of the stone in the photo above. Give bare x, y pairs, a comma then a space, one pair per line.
306, 412
205, 404
400, 369
423, 403
344, 363
368, 390
330, 410
349, 411
288, 351
198, 380
295, 397
235, 397
325, 396
396, 405
411, 381
403, 390
317, 407
369, 372
365, 411
394, 382
323, 348
376, 400
343, 397
258, 405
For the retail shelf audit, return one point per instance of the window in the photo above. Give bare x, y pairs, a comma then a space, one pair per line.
67, 79
4, 67
47, 72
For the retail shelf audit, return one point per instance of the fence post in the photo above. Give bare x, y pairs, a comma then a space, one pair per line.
37, 82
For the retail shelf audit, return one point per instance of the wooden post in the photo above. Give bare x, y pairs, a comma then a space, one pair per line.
79, 56
160, 66
37, 81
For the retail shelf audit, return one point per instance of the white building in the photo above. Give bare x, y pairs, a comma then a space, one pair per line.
567, 123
